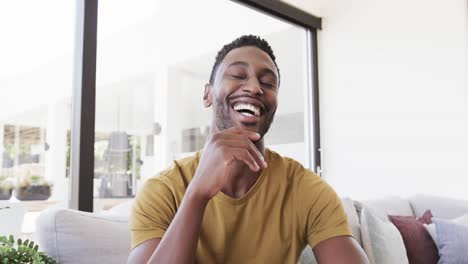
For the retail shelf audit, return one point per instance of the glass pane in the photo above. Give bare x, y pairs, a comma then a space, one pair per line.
36, 68
152, 67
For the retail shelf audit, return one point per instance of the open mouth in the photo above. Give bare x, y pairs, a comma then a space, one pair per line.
247, 109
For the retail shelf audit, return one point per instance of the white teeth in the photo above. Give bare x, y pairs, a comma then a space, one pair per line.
243, 106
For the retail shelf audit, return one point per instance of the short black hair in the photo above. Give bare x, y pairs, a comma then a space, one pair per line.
243, 41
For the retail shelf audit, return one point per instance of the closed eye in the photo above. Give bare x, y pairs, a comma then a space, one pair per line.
267, 84
238, 77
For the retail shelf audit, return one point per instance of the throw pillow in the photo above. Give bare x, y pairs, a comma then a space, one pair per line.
431, 228
419, 245
452, 240
381, 240
462, 220
426, 218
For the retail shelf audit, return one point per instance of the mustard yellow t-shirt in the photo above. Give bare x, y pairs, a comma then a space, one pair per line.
287, 208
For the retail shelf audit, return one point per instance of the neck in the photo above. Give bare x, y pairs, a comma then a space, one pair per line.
260, 146
241, 180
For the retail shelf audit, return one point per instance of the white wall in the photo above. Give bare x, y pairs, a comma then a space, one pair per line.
393, 95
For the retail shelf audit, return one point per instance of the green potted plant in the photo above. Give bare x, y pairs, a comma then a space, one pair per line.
18, 251
32, 188
6, 187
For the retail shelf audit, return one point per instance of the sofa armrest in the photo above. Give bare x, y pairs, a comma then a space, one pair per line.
71, 236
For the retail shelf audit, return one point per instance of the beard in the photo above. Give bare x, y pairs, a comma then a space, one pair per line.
223, 121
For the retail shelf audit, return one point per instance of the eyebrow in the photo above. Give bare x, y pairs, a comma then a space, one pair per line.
243, 63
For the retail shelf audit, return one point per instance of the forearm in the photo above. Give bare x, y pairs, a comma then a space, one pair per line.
341, 249
179, 243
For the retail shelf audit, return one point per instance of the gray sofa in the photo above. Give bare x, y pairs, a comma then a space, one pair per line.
71, 236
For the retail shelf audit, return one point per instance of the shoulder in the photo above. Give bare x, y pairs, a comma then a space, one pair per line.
179, 174
312, 191
294, 170
171, 181
289, 167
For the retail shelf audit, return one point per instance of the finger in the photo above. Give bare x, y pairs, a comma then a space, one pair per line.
248, 145
243, 155
257, 155
255, 152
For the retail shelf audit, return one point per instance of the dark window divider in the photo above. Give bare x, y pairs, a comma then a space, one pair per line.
87, 113
284, 11
317, 166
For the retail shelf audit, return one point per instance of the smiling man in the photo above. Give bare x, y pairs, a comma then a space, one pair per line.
235, 201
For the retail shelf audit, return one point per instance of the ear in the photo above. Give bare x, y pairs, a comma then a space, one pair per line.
207, 95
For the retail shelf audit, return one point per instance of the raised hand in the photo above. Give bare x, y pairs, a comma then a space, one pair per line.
222, 151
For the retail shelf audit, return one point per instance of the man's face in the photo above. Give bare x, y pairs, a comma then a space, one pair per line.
245, 91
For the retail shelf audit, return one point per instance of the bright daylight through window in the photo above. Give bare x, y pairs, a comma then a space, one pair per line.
36, 72
153, 61
151, 71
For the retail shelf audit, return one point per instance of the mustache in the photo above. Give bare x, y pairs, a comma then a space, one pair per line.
230, 98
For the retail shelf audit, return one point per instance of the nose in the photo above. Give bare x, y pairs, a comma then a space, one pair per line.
253, 86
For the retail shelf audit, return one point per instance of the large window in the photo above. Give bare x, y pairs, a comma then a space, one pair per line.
140, 107
152, 67
36, 69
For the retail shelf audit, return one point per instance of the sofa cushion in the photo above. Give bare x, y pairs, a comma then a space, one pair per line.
462, 220
381, 240
11, 215
426, 218
452, 240
440, 207
307, 256
431, 228
353, 219
420, 247
71, 236
387, 206
124, 210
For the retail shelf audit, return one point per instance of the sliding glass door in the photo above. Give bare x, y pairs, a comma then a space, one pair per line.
76, 136
153, 60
